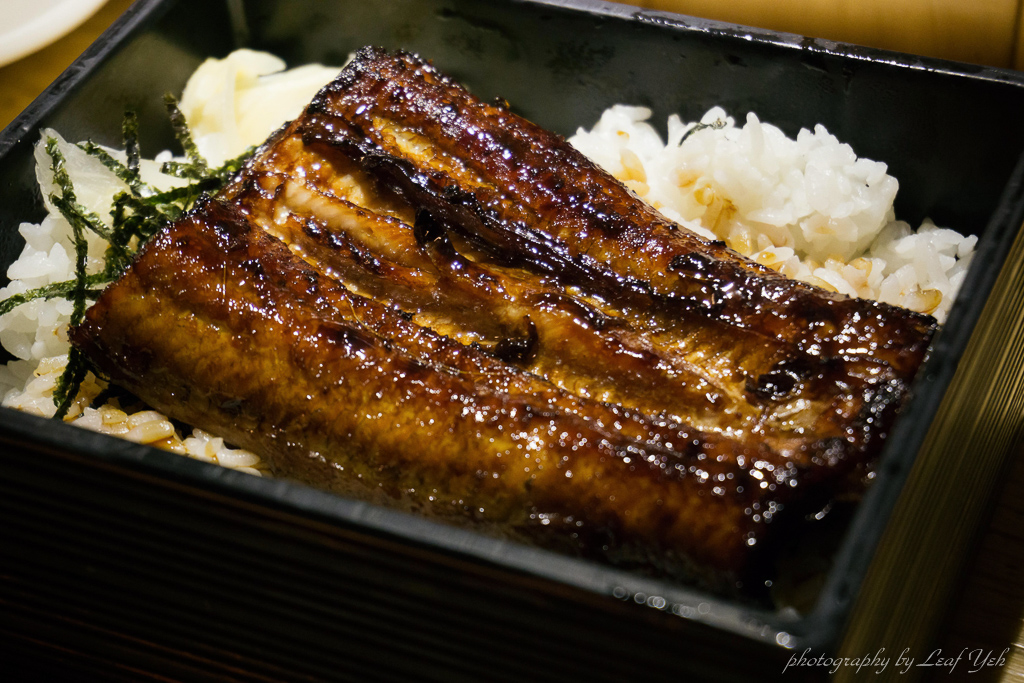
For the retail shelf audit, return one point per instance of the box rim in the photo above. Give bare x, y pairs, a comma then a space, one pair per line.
998, 232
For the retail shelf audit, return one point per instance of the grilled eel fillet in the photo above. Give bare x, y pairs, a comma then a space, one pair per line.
393, 164
222, 326
527, 196
293, 192
398, 183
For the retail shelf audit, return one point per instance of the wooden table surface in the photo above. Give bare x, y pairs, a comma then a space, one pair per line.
23, 80
990, 611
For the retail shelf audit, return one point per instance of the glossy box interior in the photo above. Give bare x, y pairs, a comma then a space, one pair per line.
329, 585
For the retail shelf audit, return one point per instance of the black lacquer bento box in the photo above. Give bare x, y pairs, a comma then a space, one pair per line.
127, 562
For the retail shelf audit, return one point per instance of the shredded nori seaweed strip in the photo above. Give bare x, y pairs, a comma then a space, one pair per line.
54, 290
175, 201
137, 215
70, 380
124, 172
130, 136
196, 168
134, 217
67, 202
717, 124
233, 166
104, 157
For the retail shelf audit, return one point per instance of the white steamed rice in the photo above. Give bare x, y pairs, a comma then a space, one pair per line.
806, 207
231, 105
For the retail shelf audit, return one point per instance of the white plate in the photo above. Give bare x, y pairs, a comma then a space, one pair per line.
29, 25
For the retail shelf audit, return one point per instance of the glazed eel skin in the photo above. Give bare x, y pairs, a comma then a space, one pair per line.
527, 196
221, 325
394, 165
407, 265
